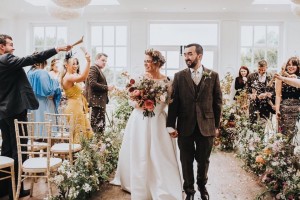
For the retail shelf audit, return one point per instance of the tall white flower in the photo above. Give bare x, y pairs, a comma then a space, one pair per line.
86, 187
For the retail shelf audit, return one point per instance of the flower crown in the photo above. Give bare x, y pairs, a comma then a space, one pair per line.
156, 56
68, 55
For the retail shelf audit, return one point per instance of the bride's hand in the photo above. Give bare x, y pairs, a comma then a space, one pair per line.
174, 134
87, 57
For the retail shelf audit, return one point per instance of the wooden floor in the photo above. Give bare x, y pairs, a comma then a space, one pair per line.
227, 181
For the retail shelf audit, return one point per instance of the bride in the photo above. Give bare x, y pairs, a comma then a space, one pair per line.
147, 166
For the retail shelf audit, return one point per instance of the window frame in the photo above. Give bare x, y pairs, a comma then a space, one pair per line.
114, 68
263, 47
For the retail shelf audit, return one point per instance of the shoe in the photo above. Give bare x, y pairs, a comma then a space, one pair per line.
203, 193
24, 193
189, 197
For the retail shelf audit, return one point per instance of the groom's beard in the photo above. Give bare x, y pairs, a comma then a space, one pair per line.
191, 64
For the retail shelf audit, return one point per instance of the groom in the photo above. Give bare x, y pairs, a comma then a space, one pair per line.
197, 103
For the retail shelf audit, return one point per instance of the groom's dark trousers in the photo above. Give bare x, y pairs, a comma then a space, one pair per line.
194, 147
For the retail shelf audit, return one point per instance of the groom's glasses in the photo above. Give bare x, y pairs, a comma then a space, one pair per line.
147, 61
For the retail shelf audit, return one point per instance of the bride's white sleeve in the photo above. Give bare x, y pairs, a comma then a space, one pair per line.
132, 103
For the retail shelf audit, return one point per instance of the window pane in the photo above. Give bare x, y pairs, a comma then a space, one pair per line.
273, 35
179, 34
38, 35
259, 54
272, 55
121, 35
109, 51
109, 35
38, 49
109, 74
208, 59
121, 56
246, 57
259, 35
96, 35
247, 35
62, 35
120, 80
172, 59
50, 36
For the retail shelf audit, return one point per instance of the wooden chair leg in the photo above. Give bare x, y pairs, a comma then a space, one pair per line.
33, 180
13, 181
19, 183
49, 184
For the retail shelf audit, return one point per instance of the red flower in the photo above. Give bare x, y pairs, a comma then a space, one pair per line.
131, 89
132, 81
149, 105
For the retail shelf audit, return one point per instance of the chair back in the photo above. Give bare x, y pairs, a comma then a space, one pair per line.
61, 128
26, 139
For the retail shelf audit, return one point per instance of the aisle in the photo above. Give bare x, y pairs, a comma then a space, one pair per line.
227, 180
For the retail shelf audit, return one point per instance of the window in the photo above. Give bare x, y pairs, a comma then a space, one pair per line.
111, 40
169, 38
260, 42
46, 37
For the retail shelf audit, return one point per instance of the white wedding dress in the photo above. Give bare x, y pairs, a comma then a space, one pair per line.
147, 166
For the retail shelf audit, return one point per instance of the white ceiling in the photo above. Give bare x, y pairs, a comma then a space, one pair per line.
9, 8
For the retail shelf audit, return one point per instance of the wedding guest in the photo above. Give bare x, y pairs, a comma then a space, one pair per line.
288, 100
240, 81
147, 166
194, 116
261, 92
76, 102
16, 96
97, 93
54, 72
46, 90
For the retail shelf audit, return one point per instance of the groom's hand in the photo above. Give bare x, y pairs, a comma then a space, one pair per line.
174, 134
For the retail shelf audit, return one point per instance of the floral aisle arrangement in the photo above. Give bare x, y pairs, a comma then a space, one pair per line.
273, 159
109, 152
146, 93
93, 166
79, 180
228, 132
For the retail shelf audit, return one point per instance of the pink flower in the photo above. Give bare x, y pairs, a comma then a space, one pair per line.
149, 105
136, 93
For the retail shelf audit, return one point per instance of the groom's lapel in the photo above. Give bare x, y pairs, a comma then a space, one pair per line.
203, 80
188, 78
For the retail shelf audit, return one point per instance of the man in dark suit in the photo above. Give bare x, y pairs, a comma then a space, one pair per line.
96, 93
16, 96
197, 105
260, 89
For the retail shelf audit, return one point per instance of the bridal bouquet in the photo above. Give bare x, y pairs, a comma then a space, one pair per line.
147, 93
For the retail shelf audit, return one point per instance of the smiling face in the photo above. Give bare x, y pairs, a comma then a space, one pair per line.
71, 66
192, 59
150, 67
291, 68
8, 47
243, 72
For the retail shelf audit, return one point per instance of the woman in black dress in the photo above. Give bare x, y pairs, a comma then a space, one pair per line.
240, 81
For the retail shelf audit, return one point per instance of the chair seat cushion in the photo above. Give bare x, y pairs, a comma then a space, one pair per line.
37, 145
40, 164
6, 162
64, 148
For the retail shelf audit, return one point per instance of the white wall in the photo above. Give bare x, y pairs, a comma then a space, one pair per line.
228, 55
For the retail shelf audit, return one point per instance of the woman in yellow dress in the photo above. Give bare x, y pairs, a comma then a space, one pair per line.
76, 103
